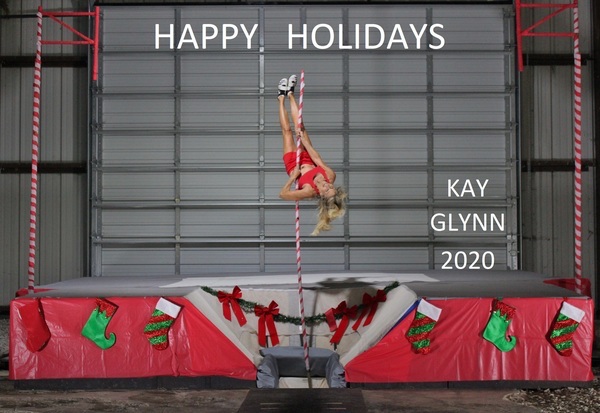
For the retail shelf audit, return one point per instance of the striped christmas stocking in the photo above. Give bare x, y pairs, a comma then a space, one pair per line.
563, 327
425, 319
162, 318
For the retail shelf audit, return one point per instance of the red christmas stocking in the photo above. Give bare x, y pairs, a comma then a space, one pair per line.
32, 316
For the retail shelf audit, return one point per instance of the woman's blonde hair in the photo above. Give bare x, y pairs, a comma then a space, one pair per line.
330, 209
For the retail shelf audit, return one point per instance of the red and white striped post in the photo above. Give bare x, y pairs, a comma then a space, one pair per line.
577, 147
37, 86
298, 254
35, 145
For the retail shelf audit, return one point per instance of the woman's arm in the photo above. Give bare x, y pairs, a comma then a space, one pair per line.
316, 157
295, 195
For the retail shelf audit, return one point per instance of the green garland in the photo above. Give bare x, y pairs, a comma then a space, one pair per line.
248, 307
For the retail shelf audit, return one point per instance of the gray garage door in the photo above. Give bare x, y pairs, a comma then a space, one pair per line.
413, 106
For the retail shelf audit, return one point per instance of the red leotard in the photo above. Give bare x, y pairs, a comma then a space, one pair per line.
289, 159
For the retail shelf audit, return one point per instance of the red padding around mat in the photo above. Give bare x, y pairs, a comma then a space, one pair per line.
196, 346
571, 284
460, 353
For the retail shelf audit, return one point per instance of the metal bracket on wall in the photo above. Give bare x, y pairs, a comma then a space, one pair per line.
55, 16
529, 31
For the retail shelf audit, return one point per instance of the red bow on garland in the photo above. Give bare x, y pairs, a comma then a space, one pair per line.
369, 305
265, 321
347, 314
230, 301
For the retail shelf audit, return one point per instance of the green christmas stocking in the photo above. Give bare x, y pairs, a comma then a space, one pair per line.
95, 328
497, 326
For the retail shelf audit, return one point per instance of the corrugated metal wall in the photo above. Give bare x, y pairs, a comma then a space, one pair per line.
187, 154
547, 140
62, 207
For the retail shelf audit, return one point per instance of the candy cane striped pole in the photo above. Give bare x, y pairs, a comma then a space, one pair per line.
37, 85
298, 255
577, 146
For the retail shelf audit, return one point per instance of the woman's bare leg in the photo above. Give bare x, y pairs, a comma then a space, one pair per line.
295, 112
286, 130
293, 108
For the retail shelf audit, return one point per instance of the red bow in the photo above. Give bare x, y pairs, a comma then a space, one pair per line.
347, 314
265, 319
369, 305
230, 301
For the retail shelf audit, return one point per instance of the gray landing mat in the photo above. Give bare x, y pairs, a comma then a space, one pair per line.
303, 400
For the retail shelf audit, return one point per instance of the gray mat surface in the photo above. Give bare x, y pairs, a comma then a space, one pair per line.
303, 400
448, 284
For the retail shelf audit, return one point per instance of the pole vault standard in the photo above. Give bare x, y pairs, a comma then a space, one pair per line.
298, 254
35, 144
559, 8
37, 87
577, 146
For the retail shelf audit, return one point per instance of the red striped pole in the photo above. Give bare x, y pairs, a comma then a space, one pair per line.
96, 43
577, 146
298, 255
37, 85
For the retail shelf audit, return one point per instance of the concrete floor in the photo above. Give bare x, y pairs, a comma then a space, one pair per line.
222, 401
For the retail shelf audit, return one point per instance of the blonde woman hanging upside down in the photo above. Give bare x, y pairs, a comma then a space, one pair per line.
315, 178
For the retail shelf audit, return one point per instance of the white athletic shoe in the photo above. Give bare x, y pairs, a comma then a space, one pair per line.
292, 82
283, 87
